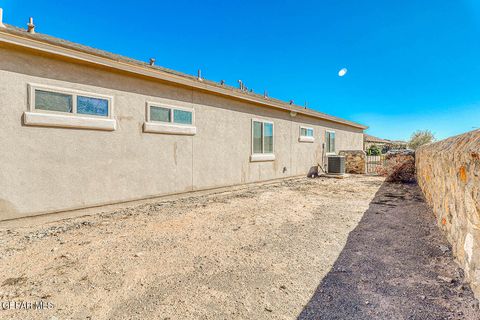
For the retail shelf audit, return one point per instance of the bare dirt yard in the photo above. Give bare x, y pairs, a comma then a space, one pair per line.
302, 248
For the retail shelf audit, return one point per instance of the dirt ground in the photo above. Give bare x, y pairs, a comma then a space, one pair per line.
396, 265
277, 251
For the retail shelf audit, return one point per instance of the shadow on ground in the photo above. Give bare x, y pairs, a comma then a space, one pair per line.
396, 264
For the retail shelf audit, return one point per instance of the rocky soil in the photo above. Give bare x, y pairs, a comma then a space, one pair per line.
261, 252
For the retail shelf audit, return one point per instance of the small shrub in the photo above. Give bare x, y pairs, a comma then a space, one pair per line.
374, 150
419, 138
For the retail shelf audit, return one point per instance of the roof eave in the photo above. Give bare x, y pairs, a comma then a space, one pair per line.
28, 42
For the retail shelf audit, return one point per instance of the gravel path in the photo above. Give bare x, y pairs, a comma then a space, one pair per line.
256, 253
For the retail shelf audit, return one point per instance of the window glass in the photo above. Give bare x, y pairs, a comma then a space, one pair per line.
306, 132
160, 114
53, 101
327, 141
268, 138
257, 137
330, 140
182, 116
94, 106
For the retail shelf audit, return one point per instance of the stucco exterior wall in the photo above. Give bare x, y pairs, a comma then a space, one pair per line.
449, 174
46, 169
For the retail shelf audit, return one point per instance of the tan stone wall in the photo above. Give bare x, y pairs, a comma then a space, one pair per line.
355, 161
449, 174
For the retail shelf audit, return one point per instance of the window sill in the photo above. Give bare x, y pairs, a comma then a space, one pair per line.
306, 139
152, 127
68, 121
262, 157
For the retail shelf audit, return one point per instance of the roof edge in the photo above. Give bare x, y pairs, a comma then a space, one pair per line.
17, 38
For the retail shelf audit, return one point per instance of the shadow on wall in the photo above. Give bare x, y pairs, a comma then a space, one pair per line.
395, 265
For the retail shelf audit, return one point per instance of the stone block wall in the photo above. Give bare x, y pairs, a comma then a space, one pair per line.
355, 161
448, 172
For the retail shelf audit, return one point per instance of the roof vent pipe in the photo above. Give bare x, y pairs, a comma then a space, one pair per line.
31, 26
199, 75
1, 19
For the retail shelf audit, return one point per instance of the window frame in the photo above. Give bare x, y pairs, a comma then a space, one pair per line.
302, 138
327, 142
70, 120
158, 105
262, 156
32, 87
172, 127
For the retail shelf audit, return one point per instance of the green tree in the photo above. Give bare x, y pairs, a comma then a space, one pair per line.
420, 137
374, 150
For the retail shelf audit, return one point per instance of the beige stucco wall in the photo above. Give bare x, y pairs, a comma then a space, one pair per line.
448, 172
55, 169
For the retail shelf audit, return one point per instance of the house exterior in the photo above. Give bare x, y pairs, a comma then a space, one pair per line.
384, 144
80, 127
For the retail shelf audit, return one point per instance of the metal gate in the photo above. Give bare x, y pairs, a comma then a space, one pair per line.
375, 163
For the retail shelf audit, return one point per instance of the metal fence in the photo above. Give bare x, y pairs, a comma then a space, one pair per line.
374, 163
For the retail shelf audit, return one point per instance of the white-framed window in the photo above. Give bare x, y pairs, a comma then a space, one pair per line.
67, 101
306, 134
167, 119
330, 141
61, 107
262, 140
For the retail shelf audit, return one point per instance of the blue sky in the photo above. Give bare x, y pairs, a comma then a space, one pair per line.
411, 64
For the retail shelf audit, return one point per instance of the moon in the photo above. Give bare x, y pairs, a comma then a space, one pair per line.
342, 72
